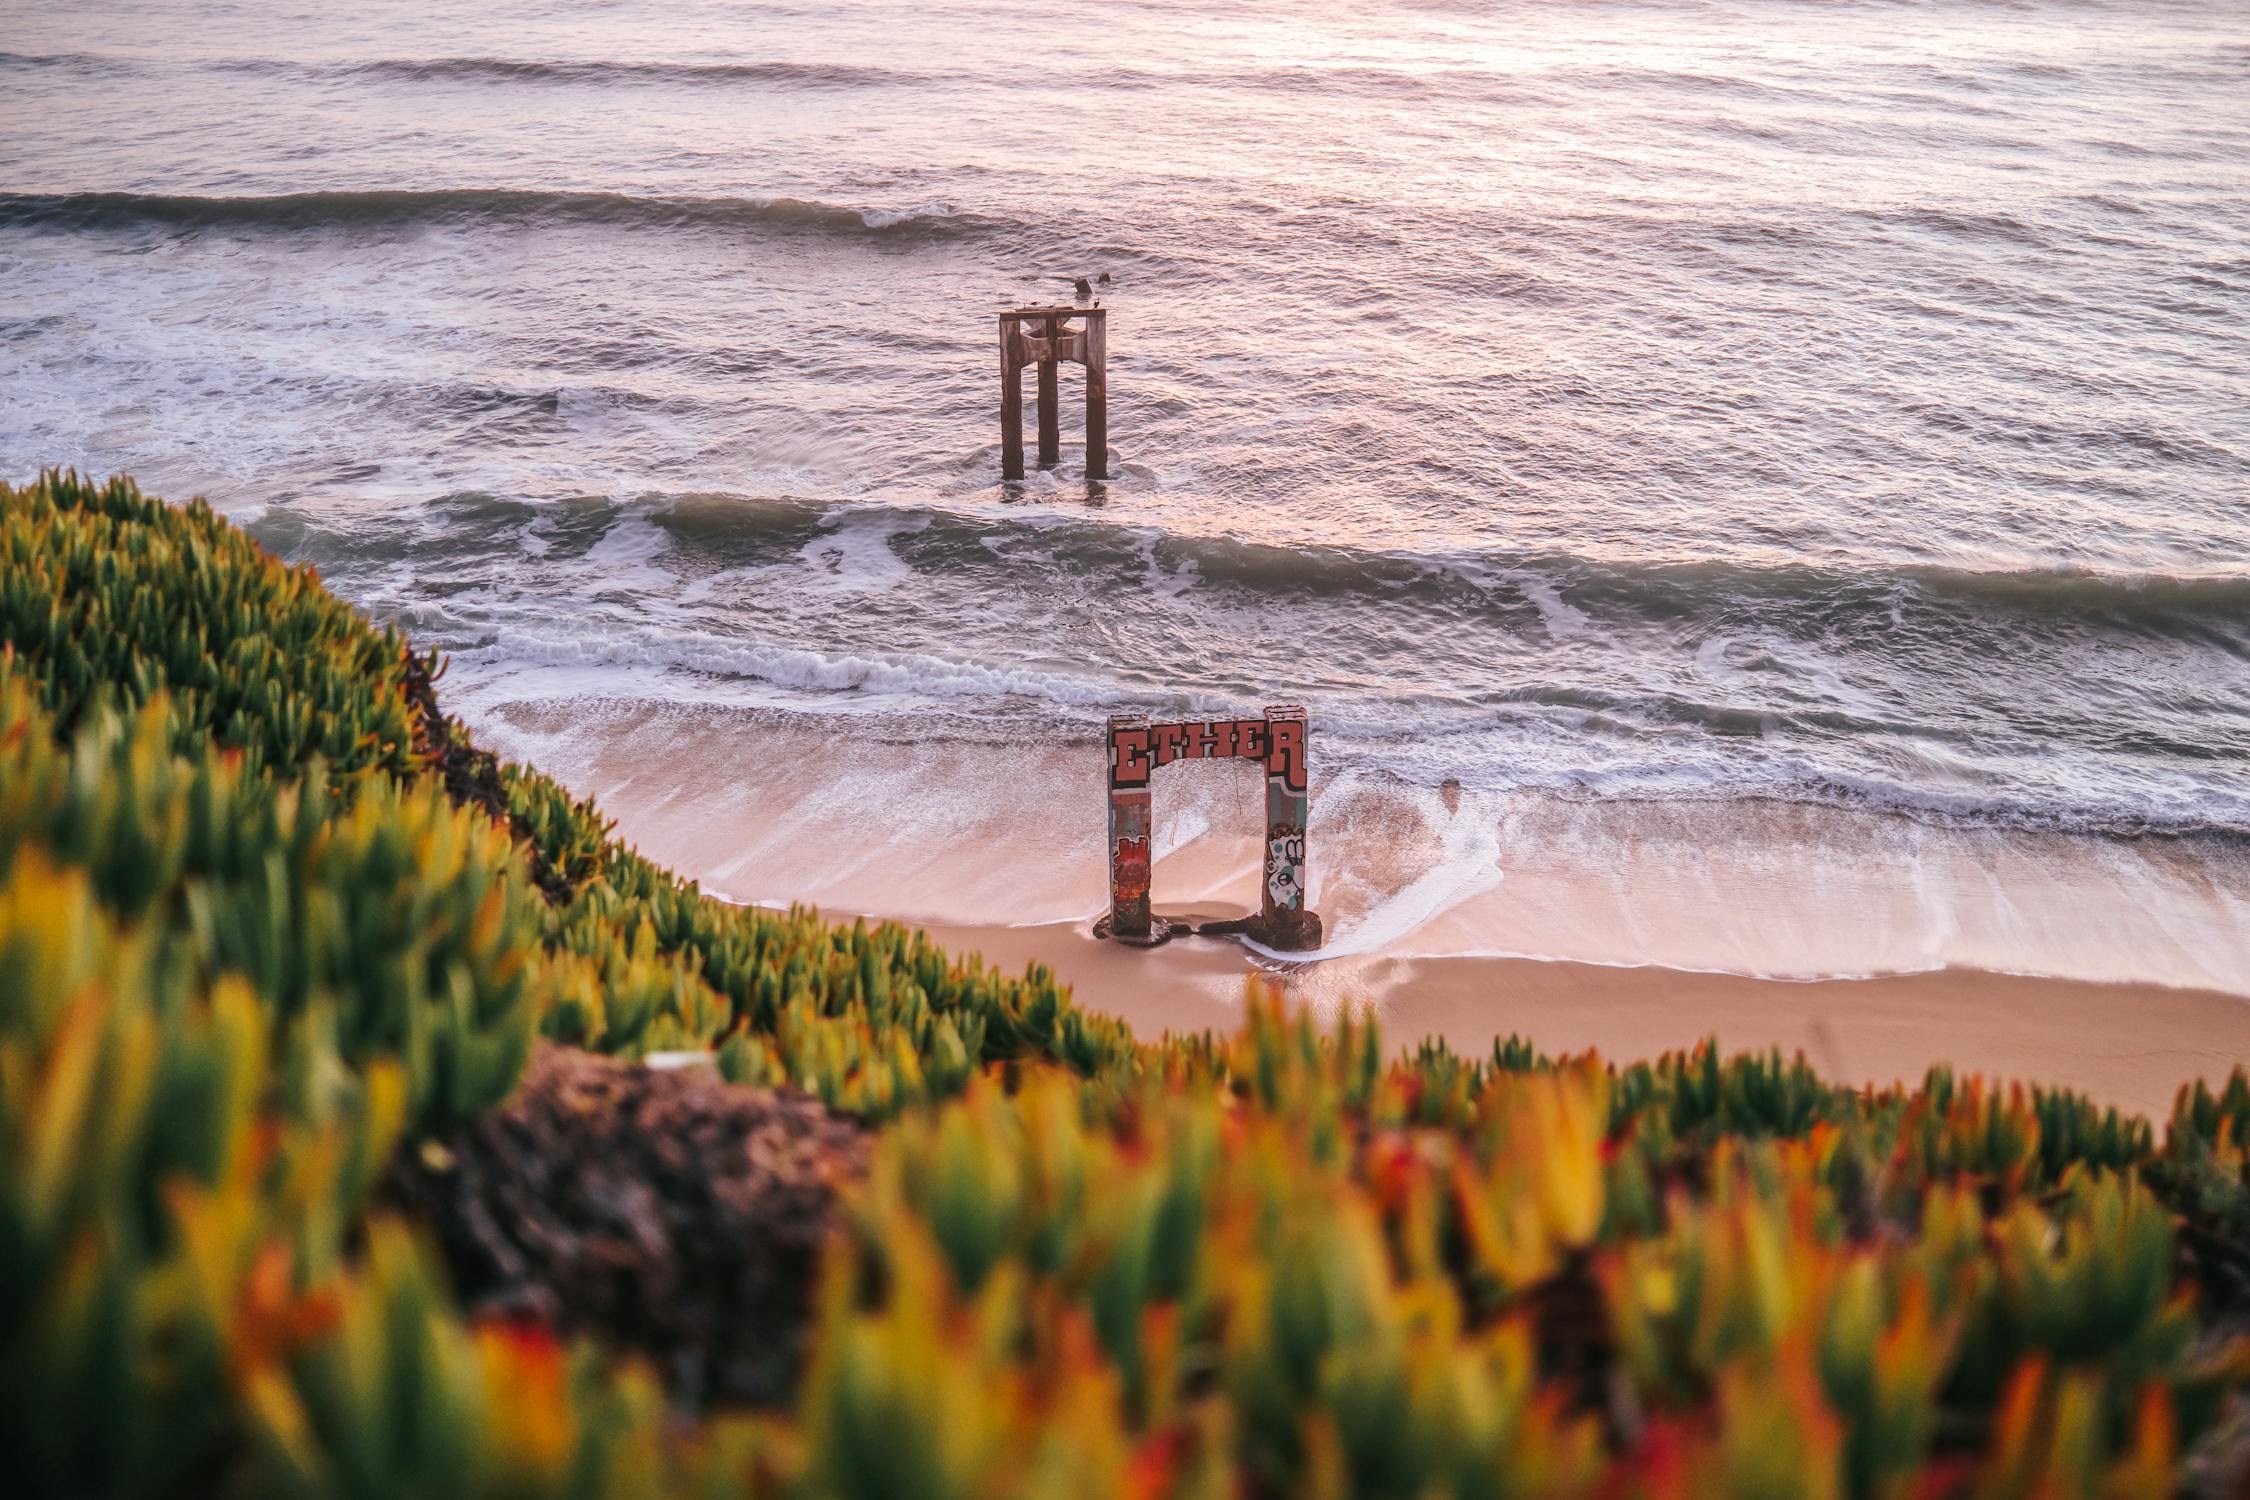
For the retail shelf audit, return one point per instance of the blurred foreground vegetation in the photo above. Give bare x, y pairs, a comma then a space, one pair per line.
268, 921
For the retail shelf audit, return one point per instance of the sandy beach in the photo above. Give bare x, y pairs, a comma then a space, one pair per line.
2127, 1045
1875, 944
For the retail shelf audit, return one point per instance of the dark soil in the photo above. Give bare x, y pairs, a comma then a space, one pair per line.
1577, 1346
472, 776
668, 1213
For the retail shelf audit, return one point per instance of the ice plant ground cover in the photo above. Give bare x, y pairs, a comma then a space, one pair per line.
270, 926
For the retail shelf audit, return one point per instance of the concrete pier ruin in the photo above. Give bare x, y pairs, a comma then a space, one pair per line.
1041, 337
1138, 749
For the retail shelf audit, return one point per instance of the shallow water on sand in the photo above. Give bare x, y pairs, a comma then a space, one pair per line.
1621, 405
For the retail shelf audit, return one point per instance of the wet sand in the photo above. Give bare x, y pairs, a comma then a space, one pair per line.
1876, 944
2128, 1045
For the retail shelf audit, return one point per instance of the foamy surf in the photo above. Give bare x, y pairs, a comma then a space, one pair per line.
1961, 698
766, 805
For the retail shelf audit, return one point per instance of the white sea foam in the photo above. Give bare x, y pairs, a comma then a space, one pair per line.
627, 556
1561, 619
1162, 581
618, 663
854, 552
1466, 865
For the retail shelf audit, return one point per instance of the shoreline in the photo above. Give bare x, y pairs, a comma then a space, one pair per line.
1876, 945
1882, 1029
769, 807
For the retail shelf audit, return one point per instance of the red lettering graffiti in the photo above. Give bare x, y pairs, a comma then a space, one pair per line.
1286, 756
1128, 756
1129, 870
1137, 750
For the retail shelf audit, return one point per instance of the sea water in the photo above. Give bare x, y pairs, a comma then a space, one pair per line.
1830, 421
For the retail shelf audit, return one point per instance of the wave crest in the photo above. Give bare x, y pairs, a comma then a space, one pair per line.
604, 72
97, 212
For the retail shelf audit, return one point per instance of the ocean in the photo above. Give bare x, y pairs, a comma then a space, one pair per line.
1667, 418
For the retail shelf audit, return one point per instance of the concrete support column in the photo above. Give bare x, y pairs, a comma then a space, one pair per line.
1283, 919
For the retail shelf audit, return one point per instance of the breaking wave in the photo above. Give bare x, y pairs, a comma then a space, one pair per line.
598, 71
97, 212
2206, 605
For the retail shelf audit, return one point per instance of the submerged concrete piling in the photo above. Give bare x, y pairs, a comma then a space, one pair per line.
1040, 337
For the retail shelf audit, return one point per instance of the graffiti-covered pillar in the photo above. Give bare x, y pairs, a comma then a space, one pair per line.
1283, 919
1137, 750
1129, 824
